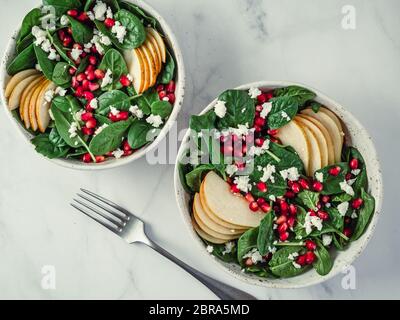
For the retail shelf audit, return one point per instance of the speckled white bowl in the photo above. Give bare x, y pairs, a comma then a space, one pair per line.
112, 163
358, 137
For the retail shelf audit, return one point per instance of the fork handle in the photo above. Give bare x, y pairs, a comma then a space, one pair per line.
221, 290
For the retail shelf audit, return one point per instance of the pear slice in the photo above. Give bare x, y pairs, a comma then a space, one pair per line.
226, 206
206, 236
156, 47
25, 99
17, 78
152, 48
327, 136
15, 98
160, 43
205, 219
43, 106
32, 104
151, 64
293, 135
146, 78
332, 128
212, 233
334, 117
319, 136
136, 68
315, 153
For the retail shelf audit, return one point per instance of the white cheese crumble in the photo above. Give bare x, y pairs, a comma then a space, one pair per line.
220, 109
254, 92
231, 169
228, 248
356, 172
210, 249
100, 10
107, 78
119, 31
285, 116
268, 173
64, 20
73, 130
346, 188
296, 265
326, 239
109, 13
53, 55
312, 221
100, 129
60, 91
76, 53
319, 176
266, 109
136, 111
37, 67
118, 153
272, 198
241, 130
90, 15
39, 34
342, 208
254, 255
291, 174
46, 45
114, 111
293, 256
154, 120
257, 151
354, 215
49, 95
94, 103
328, 205
78, 115
243, 183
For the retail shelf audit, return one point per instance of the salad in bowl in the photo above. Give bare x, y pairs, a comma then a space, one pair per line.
274, 179
93, 81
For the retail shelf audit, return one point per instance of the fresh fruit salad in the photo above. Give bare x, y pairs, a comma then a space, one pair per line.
91, 80
274, 188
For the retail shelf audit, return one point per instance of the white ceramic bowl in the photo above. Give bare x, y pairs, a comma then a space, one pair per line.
358, 137
111, 163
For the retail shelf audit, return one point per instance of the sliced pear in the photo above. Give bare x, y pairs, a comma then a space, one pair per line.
146, 78
43, 106
151, 64
318, 135
157, 48
293, 135
136, 68
334, 117
327, 136
212, 233
226, 206
160, 43
206, 236
332, 128
315, 153
15, 98
32, 104
205, 219
17, 78
152, 48
26, 96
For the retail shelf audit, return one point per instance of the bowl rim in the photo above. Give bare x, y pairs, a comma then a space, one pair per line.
114, 163
283, 283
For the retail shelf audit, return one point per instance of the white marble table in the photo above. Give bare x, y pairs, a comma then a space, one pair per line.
225, 43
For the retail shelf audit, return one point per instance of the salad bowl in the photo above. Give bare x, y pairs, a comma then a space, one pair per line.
157, 30
355, 136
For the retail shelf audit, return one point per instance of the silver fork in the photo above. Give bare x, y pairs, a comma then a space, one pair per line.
130, 228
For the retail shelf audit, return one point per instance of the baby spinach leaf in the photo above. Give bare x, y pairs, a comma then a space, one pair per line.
115, 98
45, 63
344, 197
137, 135
362, 178
309, 199
31, 19
136, 34
45, 146
195, 177
24, 43
239, 109
259, 271
146, 100
246, 243
336, 219
284, 109
184, 169
57, 44
281, 266
299, 94
265, 237
80, 32
114, 61
168, 72
61, 76
83, 65
102, 119
364, 214
67, 104
315, 106
62, 6
332, 183
203, 122
63, 123
147, 19
88, 5
161, 108
323, 265
25, 60
110, 138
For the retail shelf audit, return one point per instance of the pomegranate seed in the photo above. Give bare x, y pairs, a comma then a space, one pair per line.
293, 209
261, 201
284, 206
312, 213
291, 222
85, 84
262, 187
79, 92
281, 219
318, 186
112, 117
311, 245
90, 68
254, 206
301, 260
354, 164
67, 41
61, 34
91, 123
349, 176
126, 146
77, 46
99, 74
89, 96
310, 257
257, 129
326, 199
269, 96
296, 187
259, 108
347, 232
347, 220
88, 107
284, 236
248, 262
290, 194
283, 228
162, 94
109, 23
160, 87
272, 132
227, 150
319, 205
92, 60
122, 115
128, 153
72, 13
171, 98
335, 171
93, 86
83, 17
100, 159
262, 98
323, 215
74, 82
125, 81
87, 132
304, 184
240, 165
170, 87
86, 158
259, 142
259, 122
249, 197
86, 116
234, 138
91, 76
69, 30
234, 188
72, 71
357, 203
80, 77
265, 207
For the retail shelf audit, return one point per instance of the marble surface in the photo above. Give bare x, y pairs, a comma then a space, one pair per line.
225, 43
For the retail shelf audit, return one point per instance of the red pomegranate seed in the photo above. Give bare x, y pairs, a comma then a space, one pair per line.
125, 81
357, 203
326, 199
91, 123
109, 23
80, 77
234, 188
240, 165
347, 220
312, 213
126, 146
92, 60
227, 150
89, 96
293, 209
61, 34
284, 206
261, 201
323, 215
85, 84
93, 86
77, 46
265, 207
335, 171
67, 41
86, 116
259, 122
112, 117
170, 87
79, 92
259, 108
262, 98
310, 257
91, 76
257, 129
99, 74
122, 115
259, 142
83, 17
90, 68
311, 245
171, 98
87, 132
347, 232
291, 222
304, 184
283, 227
248, 262
284, 236
74, 82
318, 186
249, 197
301, 260
72, 13
319, 205
281, 219
296, 187
349, 176
269, 96
290, 194
354, 164
72, 71
86, 158
128, 153
162, 94
100, 159
272, 132
254, 206
160, 87
69, 30
262, 187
